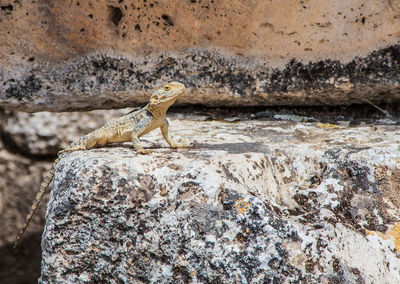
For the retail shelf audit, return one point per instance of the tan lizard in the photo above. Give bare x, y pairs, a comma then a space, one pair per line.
129, 127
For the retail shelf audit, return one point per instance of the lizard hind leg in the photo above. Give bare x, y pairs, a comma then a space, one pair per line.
86, 142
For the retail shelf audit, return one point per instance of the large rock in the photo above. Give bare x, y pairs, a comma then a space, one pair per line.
28, 144
252, 202
69, 55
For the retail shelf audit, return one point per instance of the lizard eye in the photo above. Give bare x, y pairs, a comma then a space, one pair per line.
167, 88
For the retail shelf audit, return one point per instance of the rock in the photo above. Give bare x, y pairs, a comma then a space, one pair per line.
254, 201
111, 54
28, 144
43, 134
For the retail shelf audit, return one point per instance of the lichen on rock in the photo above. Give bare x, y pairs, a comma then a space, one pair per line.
256, 204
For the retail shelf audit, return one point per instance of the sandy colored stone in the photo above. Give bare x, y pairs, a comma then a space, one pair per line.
77, 55
252, 201
277, 31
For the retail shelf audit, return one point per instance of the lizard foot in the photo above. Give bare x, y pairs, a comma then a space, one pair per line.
70, 150
64, 151
181, 145
143, 151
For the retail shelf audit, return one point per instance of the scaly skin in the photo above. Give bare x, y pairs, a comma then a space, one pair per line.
129, 127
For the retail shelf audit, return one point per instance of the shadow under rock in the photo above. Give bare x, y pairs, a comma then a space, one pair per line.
234, 148
22, 264
231, 148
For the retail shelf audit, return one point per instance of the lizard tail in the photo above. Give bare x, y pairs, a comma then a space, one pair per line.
47, 180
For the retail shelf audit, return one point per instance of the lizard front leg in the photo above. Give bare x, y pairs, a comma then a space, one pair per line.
136, 142
168, 137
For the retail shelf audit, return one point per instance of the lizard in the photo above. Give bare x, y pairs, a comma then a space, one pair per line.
129, 127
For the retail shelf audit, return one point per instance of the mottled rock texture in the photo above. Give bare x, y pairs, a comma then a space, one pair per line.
254, 201
28, 144
69, 55
43, 134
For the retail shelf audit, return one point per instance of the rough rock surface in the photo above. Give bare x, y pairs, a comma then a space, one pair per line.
69, 55
28, 144
43, 134
253, 201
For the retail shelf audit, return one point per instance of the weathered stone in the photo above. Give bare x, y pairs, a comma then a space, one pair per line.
60, 55
44, 133
28, 144
253, 201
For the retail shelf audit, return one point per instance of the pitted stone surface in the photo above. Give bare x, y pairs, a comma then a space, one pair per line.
252, 201
79, 55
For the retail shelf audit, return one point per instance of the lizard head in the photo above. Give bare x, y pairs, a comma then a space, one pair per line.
164, 97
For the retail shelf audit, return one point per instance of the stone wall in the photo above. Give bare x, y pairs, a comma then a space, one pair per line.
276, 31
73, 55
